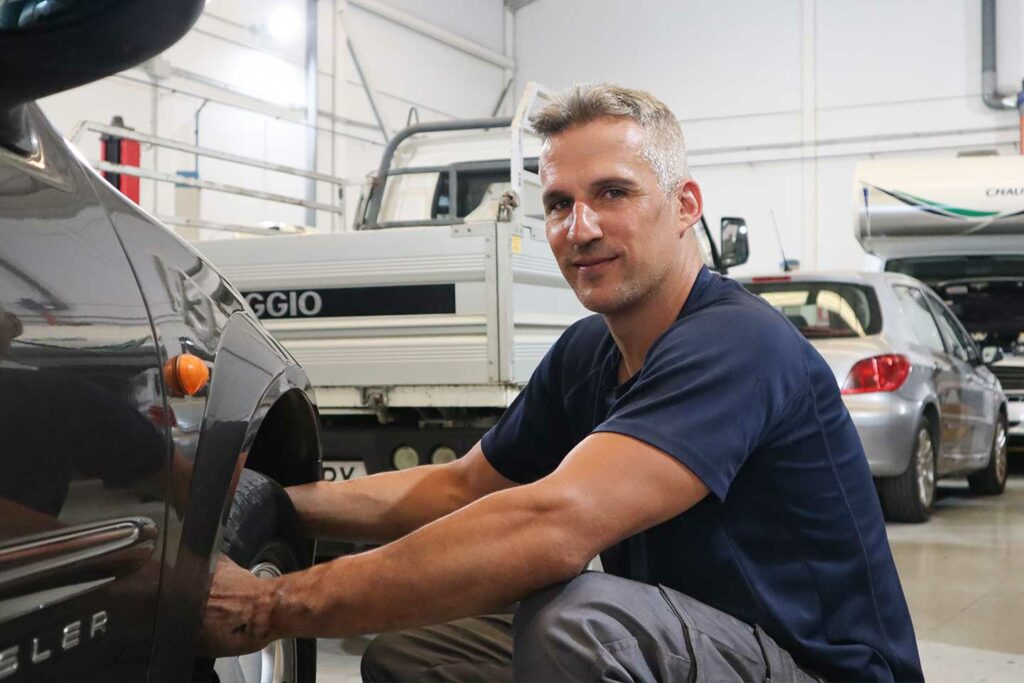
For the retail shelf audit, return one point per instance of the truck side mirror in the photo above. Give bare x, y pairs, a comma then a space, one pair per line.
735, 249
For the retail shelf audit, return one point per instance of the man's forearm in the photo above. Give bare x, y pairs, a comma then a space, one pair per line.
378, 508
478, 559
485, 555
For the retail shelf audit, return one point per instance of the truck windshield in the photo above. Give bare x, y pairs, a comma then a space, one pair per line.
478, 191
985, 292
935, 269
824, 309
445, 195
424, 197
991, 310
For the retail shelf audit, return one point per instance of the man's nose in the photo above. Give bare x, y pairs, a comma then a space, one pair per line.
584, 227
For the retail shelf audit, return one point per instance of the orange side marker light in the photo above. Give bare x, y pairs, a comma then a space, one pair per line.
186, 374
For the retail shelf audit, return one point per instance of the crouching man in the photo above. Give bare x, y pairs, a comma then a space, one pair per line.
686, 432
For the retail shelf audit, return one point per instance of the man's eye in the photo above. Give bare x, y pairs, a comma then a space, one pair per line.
558, 205
614, 193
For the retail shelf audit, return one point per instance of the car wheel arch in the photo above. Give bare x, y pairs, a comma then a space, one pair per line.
252, 380
931, 413
284, 439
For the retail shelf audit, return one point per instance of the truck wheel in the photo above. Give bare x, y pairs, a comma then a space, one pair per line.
991, 481
261, 534
909, 497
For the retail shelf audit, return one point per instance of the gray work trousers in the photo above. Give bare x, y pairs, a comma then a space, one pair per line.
597, 627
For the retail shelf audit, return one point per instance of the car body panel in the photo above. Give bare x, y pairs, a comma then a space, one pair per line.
105, 295
83, 437
249, 376
196, 311
115, 483
970, 392
886, 424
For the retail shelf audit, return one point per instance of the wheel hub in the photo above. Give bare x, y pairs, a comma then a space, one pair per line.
273, 664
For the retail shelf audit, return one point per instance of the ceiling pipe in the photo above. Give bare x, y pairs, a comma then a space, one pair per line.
989, 78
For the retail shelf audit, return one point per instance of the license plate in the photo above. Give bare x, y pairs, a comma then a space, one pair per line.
342, 470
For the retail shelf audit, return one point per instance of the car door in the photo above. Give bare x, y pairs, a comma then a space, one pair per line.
945, 378
978, 395
962, 382
83, 447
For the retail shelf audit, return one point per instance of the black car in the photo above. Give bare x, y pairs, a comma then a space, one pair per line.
146, 418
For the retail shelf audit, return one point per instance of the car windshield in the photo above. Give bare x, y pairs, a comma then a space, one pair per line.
824, 309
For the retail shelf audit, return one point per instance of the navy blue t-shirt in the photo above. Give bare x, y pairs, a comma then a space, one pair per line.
791, 537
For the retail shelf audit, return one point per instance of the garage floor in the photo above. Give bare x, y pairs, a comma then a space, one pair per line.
963, 573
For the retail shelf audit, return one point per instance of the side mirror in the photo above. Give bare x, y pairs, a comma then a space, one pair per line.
735, 249
991, 354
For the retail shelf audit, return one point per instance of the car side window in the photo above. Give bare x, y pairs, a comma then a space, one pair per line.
973, 354
961, 343
913, 305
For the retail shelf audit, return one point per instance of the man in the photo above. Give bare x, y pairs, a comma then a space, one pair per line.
688, 433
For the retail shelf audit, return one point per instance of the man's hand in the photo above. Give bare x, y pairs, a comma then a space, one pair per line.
237, 617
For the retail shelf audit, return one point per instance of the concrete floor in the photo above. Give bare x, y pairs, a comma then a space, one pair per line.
963, 573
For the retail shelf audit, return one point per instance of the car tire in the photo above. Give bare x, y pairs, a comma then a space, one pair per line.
910, 496
261, 534
991, 481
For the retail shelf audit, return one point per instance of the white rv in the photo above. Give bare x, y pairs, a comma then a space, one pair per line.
958, 225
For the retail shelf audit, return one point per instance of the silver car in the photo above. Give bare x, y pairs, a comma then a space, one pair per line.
924, 403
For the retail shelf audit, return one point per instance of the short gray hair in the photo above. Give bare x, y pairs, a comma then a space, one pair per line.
663, 145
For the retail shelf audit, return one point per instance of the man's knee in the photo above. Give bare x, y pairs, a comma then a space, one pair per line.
472, 649
590, 597
386, 658
570, 595
563, 630
404, 656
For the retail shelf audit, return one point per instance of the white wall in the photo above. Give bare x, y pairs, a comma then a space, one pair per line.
250, 92
779, 100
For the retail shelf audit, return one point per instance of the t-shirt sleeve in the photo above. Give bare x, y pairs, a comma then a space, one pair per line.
706, 397
533, 435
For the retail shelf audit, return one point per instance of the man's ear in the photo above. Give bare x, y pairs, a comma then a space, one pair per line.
690, 204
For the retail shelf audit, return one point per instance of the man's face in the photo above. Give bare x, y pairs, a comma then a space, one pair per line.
615, 233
